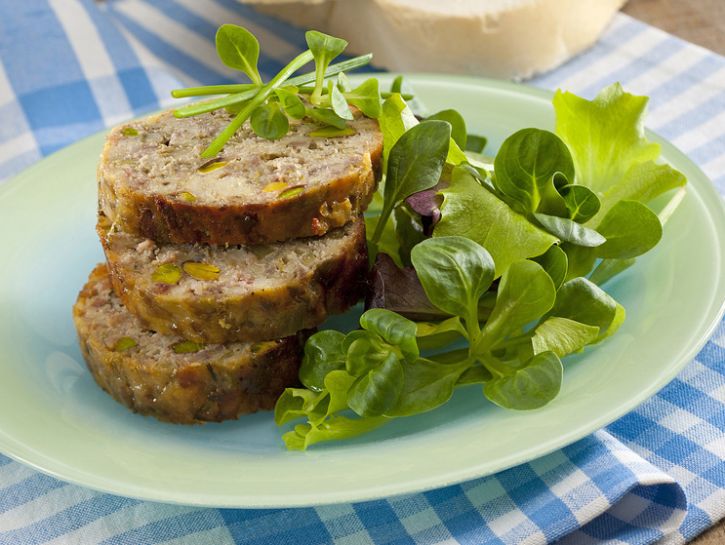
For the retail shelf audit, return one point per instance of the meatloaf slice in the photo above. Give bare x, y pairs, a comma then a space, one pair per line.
216, 295
172, 379
154, 183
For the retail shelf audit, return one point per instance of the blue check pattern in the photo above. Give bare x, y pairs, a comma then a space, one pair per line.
69, 68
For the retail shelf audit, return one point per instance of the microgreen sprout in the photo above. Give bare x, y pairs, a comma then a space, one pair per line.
269, 106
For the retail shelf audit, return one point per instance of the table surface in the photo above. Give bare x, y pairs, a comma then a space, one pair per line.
698, 21
701, 22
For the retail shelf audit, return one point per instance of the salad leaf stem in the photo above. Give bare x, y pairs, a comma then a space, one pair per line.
302, 79
245, 91
452, 356
666, 213
497, 368
307, 90
332, 70
205, 106
213, 90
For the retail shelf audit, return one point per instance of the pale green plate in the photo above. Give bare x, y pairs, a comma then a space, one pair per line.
54, 418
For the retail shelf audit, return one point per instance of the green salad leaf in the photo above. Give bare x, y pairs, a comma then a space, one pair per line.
580, 201
297, 403
526, 293
555, 263
339, 102
562, 336
324, 49
570, 231
290, 102
583, 301
396, 118
239, 49
476, 143
455, 272
415, 163
426, 386
526, 165
378, 390
269, 122
580, 260
327, 116
366, 97
507, 235
605, 135
611, 152
334, 428
393, 329
528, 387
644, 182
630, 228
323, 353
458, 125
430, 335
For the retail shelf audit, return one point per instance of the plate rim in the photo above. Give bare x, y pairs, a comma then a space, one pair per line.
102, 483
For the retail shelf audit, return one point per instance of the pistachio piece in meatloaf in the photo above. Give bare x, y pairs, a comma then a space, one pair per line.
172, 379
153, 182
216, 295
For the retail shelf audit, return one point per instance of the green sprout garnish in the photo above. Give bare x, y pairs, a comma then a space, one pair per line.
269, 106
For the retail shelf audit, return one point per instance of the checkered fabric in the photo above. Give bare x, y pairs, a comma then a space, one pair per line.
69, 68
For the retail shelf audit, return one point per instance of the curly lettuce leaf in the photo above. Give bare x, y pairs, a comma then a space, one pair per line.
612, 155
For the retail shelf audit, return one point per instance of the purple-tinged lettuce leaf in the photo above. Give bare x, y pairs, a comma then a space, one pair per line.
398, 289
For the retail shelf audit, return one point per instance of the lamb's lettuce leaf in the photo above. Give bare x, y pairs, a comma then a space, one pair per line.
528, 387
526, 167
570, 231
630, 228
583, 301
455, 272
526, 293
562, 336
555, 263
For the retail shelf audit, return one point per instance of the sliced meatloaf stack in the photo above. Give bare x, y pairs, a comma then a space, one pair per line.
217, 270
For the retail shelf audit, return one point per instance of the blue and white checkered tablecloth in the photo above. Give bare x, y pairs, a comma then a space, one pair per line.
69, 68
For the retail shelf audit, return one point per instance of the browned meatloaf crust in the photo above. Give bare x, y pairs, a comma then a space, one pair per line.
154, 183
213, 384
258, 293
